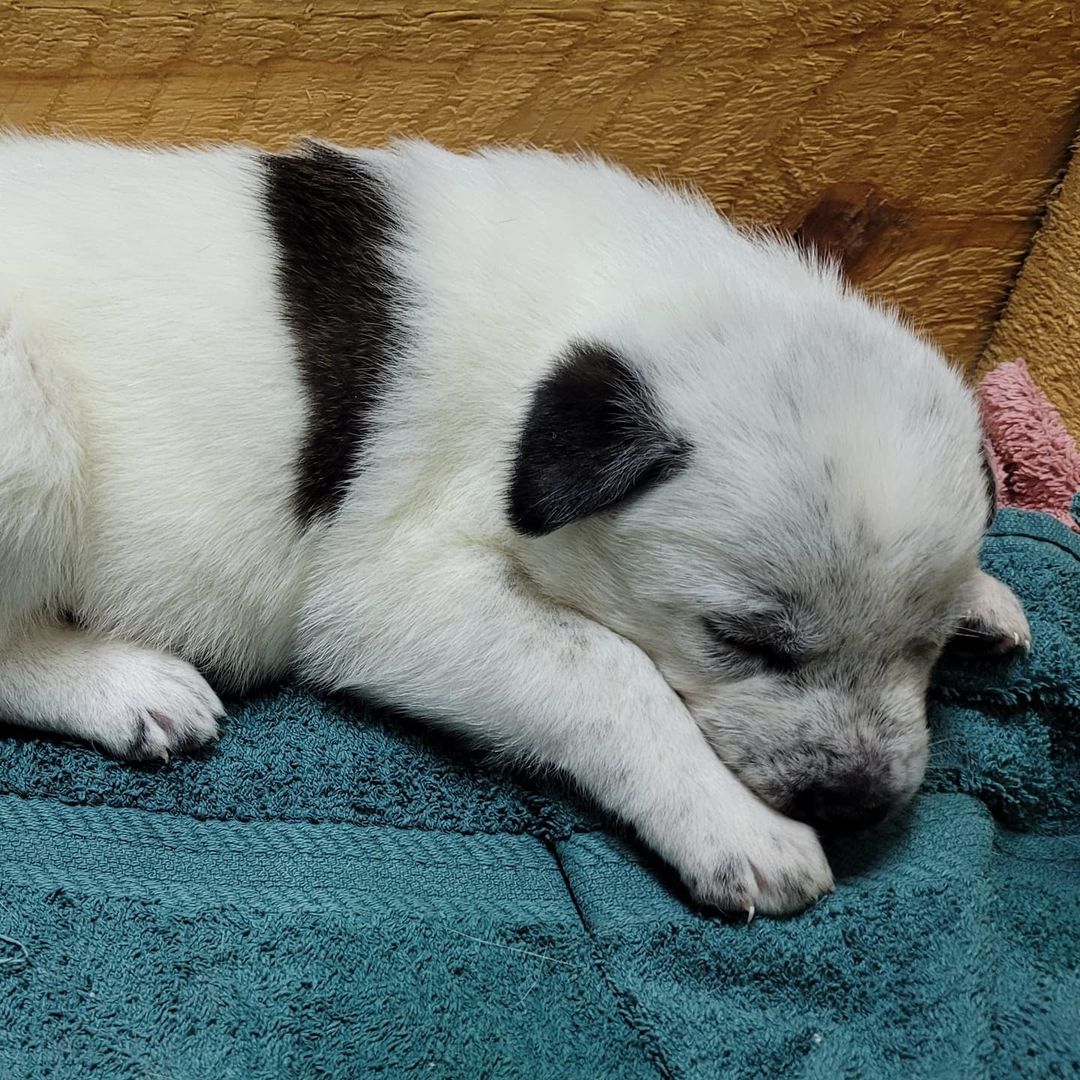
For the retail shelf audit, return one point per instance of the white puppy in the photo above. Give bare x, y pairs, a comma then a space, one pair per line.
546, 454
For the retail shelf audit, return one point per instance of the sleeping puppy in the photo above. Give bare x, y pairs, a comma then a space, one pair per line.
549, 455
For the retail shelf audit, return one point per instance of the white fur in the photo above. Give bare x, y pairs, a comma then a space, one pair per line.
151, 415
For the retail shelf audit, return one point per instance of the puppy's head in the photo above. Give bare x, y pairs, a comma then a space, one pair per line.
786, 519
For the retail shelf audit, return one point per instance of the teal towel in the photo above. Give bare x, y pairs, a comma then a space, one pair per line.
335, 893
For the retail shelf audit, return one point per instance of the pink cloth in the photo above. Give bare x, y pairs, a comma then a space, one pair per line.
1033, 457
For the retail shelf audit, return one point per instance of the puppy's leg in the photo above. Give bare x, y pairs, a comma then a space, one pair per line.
40, 479
468, 642
994, 622
129, 700
133, 702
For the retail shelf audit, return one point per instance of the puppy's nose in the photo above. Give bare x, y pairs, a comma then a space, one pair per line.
841, 806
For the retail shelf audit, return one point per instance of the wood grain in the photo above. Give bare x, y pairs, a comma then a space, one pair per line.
1042, 320
918, 137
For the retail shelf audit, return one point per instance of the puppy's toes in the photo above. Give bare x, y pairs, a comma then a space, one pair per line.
974, 637
147, 706
157, 735
758, 864
994, 624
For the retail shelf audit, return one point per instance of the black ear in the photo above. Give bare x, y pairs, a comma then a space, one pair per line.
593, 437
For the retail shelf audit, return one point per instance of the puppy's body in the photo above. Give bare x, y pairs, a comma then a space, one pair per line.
513, 441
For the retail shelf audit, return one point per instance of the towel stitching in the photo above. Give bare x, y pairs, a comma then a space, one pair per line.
653, 1051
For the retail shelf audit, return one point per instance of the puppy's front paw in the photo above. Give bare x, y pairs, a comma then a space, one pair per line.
995, 622
145, 706
763, 864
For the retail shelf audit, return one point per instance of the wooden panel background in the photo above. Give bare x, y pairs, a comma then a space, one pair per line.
920, 137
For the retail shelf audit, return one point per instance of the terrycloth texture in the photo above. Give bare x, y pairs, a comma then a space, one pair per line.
1042, 318
334, 894
331, 893
1035, 462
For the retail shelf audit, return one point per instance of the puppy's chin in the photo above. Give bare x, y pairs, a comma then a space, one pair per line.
752, 772
766, 788
835, 792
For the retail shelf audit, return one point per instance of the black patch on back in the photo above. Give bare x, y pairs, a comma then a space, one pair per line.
332, 223
593, 437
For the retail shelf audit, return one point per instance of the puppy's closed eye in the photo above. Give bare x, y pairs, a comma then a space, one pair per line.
746, 646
